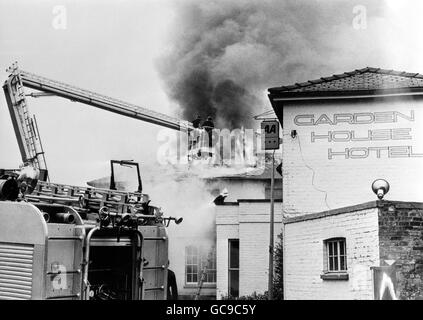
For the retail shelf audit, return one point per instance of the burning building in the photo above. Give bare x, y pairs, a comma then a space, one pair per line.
200, 254
340, 133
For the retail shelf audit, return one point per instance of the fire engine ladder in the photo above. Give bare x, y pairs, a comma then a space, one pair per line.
85, 198
25, 126
73, 93
200, 286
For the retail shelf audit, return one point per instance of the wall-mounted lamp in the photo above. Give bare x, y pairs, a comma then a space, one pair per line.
293, 134
380, 187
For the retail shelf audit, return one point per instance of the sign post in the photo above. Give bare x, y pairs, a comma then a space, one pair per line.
270, 135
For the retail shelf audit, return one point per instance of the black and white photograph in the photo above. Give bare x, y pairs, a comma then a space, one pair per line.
211, 154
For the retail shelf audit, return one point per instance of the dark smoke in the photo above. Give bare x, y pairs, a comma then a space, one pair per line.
223, 55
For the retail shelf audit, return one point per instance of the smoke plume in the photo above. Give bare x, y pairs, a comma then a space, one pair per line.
223, 55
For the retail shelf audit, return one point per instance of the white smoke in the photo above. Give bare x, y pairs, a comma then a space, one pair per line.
182, 194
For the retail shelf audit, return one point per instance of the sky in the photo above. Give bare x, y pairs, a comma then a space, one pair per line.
131, 50
108, 47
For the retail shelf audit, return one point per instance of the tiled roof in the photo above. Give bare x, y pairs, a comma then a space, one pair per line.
367, 79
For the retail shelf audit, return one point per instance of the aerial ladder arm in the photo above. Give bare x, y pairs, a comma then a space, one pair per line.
25, 125
73, 93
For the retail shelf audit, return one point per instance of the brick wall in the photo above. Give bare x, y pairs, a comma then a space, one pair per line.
401, 239
304, 255
248, 221
312, 182
226, 228
254, 244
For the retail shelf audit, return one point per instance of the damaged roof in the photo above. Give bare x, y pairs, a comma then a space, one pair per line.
361, 81
255, 174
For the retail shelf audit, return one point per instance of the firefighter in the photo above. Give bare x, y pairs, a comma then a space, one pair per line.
172, 287
196, 123
208, 126
220, 199
194, 136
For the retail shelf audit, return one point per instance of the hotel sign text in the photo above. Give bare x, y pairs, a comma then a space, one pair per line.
395, 135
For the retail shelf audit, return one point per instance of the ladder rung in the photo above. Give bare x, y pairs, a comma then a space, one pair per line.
66, 238
155, 238
67, 271
64, 297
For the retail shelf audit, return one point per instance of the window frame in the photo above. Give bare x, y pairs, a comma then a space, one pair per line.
194, 265
335, 259
232, 269
201, 259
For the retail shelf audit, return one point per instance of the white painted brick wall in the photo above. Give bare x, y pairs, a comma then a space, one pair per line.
248, 222
254, 245
223, 233
347, 181
303, 256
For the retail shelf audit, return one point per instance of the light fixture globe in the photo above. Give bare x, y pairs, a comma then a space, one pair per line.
380, 187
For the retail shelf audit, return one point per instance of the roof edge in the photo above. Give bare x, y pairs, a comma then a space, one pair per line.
347, 74
236, 203
346, 94
357, 207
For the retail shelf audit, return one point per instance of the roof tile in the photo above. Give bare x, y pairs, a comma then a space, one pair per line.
409, 74
303, 84
385, 71
329, 78
362, 70
360, 79
316, 81
341, 75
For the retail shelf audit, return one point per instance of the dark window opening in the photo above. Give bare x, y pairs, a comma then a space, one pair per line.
233, 267
335, 255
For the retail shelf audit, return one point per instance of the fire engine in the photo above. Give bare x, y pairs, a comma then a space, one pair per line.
68, 242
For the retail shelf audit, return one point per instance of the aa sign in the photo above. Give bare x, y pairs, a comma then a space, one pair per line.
270, 134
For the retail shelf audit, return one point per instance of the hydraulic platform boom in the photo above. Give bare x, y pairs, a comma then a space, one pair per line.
26, 128
73, 93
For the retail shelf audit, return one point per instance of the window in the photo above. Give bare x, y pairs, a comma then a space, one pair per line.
208, 265
233, 267
200, 265
191, 264
336, 253
335, 259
